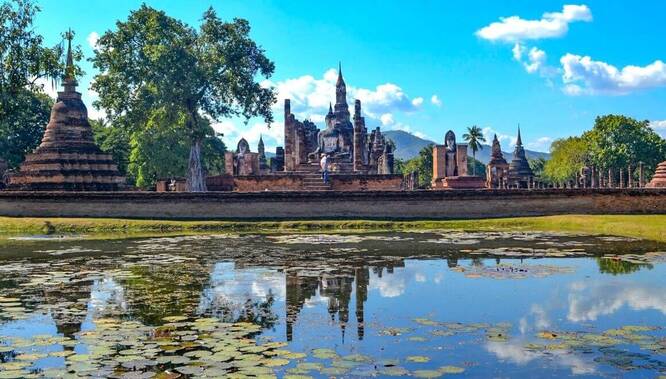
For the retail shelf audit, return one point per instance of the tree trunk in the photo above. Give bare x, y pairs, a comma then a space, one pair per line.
196, 182
474, 163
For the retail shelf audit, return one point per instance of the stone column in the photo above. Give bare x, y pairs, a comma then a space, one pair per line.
621, 178
641, 175
610, 178
593, 177
630, 177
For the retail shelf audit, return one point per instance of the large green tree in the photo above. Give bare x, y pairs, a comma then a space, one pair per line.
24, 63
617, 141
153, 63
567, 157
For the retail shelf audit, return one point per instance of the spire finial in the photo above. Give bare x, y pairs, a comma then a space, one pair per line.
70, 75
341, 80
330, 107
519, 140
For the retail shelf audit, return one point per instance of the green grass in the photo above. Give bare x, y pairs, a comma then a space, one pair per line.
652, 227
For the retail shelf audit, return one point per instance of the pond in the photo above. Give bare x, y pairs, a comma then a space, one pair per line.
419, 304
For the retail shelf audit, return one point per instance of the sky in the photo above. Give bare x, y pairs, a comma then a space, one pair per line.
430, 66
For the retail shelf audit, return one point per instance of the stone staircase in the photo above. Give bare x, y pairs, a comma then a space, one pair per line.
312, 180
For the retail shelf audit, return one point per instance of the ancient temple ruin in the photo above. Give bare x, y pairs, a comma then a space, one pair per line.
449, 163
497, 168
520, 174
243, 161
659, 178
68, 158
345, 140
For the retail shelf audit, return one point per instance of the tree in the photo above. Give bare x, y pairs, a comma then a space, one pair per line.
617, 141
537, 166
474, 138
148, 154
153, 63
475, 165
567, 157
24, 63
422, 164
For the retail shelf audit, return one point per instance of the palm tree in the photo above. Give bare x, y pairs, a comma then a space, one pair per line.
474, 138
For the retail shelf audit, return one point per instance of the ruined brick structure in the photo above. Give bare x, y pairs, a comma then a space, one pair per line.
659, 178
520, 173
345, 140
449, 166
243, 162
68, 158
497, 169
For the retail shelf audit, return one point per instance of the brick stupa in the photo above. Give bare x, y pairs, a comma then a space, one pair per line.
68, 158
659, 178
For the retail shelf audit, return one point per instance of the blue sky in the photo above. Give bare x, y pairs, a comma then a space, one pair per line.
551, 66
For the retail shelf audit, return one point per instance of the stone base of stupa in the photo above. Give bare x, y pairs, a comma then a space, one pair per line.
459, 182
659, 178
59, 171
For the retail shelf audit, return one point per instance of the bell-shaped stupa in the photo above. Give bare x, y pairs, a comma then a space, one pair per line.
68, 158
659, 178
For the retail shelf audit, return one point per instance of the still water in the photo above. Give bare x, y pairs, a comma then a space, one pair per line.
413, 304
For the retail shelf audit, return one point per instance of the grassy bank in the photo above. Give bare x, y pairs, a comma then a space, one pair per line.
651, 227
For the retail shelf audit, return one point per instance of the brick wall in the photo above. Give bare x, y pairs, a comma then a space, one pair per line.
333, 204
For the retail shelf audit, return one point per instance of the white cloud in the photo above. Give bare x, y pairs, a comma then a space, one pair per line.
589, 302
506, 141
540, 144
435, 100
659, 127
273, 136
311, 96
514, 352
92, 39
582, 75
533, 60
518, 51
536, 58
387, 119
551, 25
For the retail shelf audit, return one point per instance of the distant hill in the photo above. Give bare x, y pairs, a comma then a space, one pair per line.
409, 145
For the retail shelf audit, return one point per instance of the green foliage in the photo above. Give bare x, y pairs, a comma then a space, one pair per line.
24, 61
617, 141
156, 67
24, 117
614, 142
568, 156
537, 165
422, 165
115, 141
476, 167
474, 138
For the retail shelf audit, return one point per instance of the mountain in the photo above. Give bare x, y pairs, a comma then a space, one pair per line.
409, 145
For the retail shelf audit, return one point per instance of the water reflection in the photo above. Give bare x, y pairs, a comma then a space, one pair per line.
479, 300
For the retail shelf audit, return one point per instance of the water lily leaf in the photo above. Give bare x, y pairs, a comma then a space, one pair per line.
451, 370
324, 353
418, 358
357, 358
393, 371
426, 374
275, 362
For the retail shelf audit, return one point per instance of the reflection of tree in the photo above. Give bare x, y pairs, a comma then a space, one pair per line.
257, 312
154, 292
619, 266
